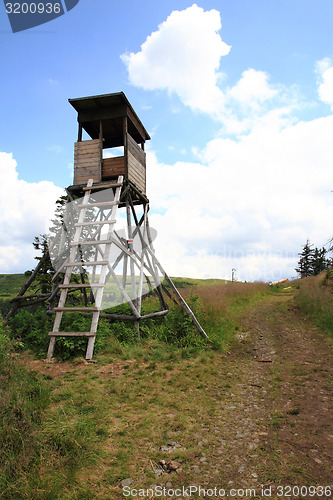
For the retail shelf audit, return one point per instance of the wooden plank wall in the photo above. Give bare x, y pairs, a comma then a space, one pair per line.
87, 161
112, 167
136, 161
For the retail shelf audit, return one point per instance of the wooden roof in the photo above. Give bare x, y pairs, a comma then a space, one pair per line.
111, 109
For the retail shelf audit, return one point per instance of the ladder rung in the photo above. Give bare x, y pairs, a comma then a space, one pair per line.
90, 242
72, 334
99, 204
88, 264
82, 285
73, 309
95, 223
103, 186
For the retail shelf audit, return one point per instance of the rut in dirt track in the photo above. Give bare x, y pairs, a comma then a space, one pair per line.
272, 423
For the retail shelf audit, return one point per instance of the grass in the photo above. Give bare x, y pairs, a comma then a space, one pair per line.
315, 300
10, 284
23, 399
72, 429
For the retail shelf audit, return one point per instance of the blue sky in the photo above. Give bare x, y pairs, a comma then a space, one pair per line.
237, 97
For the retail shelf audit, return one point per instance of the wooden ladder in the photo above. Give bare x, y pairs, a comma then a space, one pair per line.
102, 261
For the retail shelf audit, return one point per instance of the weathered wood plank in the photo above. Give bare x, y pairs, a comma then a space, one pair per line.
95, 222
99, 204
72, 334
113, 167
87, 145
104, 185
83, 172
114, 164
87, 161
86, 156
138, 180
72, 309
138, 125
91, 145
81, 285
79, 180
114, 160
136, 172
114, 172
155, 314
135, 149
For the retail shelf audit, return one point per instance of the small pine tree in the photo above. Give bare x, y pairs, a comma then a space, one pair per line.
46, 271
305, 263
66, 218
43, 283
312, 261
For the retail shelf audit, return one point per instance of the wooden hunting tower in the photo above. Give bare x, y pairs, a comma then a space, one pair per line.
110, 122
121, 264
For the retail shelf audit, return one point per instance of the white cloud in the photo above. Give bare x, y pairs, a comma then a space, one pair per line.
25, 210
183, 57
252, 89
253, 198
324, 69
250, 203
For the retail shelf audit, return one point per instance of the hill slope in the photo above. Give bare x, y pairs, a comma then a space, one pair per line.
153, 414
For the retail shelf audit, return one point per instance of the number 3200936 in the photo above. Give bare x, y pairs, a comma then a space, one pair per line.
33, 8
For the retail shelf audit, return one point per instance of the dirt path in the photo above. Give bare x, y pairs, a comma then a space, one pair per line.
301, 386
274, 420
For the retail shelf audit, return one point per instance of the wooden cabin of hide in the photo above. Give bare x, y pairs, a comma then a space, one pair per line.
110, 122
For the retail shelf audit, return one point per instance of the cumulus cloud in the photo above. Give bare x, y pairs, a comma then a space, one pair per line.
249, 203
252, 90
324, 69
259, 189
25, 211
183, 57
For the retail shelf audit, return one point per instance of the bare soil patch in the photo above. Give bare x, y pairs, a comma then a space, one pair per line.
293, 390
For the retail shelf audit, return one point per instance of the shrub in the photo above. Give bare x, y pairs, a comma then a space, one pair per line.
177, 327
31, 329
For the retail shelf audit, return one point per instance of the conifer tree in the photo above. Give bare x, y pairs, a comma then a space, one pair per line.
312, 261
305, 263
320, 261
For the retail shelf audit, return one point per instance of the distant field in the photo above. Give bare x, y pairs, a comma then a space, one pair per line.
10, 284
183, 282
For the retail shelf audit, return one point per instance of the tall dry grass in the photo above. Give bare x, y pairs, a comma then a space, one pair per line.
219, 297
221, 304
315, 300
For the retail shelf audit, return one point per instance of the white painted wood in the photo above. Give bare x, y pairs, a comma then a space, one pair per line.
109, 220
144, 261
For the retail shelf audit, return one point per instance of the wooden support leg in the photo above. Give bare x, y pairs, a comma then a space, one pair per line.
137, 326
50, 351
182, 302
90, 347
130, 236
